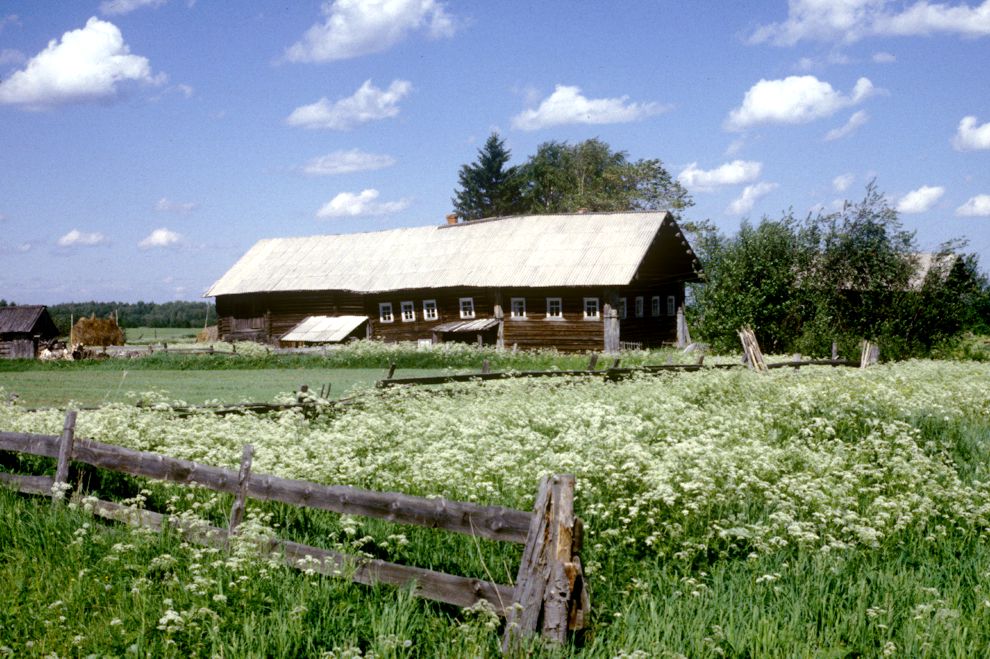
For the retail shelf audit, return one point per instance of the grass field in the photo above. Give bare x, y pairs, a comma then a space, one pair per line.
50, 388
826, 513
146, 335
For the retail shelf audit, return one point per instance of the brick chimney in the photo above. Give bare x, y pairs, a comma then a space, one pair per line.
452, 218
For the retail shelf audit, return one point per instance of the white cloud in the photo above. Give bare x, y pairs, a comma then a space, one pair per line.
794, 100
166, 205
160, 238
851, 20
920, 200
368, 103
345, 162
978, 206
566, 105
86, 65
842, 182
117, 7
77, 238
858, 118
349, 204
971, 137
361, 27
883, 58
750, 195
731, 173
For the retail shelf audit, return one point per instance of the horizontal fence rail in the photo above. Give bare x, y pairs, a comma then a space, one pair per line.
549, 596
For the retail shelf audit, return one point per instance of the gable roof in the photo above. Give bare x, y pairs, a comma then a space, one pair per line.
21, 318
535, 250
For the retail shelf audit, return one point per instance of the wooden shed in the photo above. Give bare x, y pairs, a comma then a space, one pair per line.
574, 282
23, 329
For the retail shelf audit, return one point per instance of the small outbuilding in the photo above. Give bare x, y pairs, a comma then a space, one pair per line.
23, 329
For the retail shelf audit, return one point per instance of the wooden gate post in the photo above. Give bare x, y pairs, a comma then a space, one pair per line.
64, 456
550, 592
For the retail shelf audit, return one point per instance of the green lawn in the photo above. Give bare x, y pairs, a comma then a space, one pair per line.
93, 387
145, 335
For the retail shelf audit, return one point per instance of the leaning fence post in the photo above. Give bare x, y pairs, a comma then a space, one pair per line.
486, 367
391, 371
593, 362
64, 456
557, 597
240, 500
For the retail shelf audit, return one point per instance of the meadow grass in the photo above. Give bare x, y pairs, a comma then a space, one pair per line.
826, 512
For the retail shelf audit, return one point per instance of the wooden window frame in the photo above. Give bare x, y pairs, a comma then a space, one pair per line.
382, 316
512, 308
655, 306
639, 307
409, 306
623, 309
671, 305
560, 308
427, 306
598, 309
460, 307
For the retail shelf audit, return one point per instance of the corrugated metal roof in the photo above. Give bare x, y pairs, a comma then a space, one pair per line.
324, 329
21, 318
479, 325
536, 250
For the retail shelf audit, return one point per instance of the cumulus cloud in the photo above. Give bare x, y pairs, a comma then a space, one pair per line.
883, 58
566, 105
368, 103
978, 206
842, 182
852, 20
794, 100
166, 205
345, 162
88, 64
971, 137
731, 173
349, 204
11, 56
160, 238
77, 238
118, 7
750, 195
858, 118
920, 200
352, 28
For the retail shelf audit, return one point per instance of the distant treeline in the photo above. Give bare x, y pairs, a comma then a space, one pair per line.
137, 314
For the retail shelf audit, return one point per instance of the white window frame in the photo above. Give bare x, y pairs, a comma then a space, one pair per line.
597, 311
639, 306
623, 309
430, 310
469, 313
560, 308
407, 310
521, 301
385, 314
671, 305
655, 306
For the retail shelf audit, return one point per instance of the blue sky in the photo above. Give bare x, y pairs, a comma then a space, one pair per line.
146, 144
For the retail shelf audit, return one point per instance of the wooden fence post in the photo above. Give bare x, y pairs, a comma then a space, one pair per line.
243, 476
835, 351
550, 592
593, 362
64, 456
486, 367
391, 371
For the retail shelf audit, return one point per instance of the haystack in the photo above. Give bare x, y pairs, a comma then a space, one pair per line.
208, 335
95, 331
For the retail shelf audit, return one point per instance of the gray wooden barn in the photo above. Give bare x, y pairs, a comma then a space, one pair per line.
575, 282
23, 329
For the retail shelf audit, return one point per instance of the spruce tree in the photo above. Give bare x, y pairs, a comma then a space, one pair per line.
487, 187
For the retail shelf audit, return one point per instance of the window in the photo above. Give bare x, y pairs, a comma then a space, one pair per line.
671, 305
518, 308
408, 311
622, 308
555, 307
385, 312
591, 308
467, 307
430, 310
655, 306
639, 306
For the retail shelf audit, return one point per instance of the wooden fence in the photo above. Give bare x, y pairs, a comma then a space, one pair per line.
549, 595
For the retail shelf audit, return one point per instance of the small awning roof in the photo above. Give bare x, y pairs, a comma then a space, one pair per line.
324, 329
479, 325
